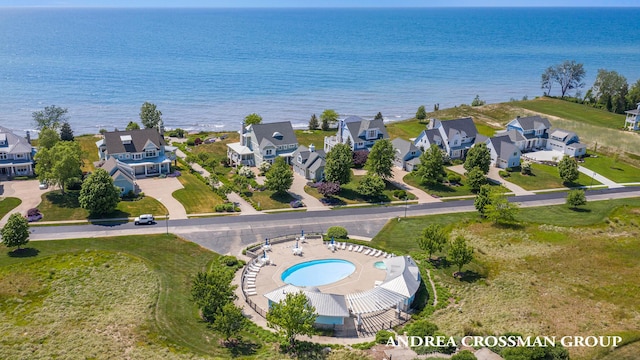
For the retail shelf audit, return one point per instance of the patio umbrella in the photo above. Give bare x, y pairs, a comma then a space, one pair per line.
296, 244
359, 320
264, 254
266, 241
302, 234
333, 241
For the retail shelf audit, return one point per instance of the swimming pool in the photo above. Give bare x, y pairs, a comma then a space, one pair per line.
380, 265
318, 272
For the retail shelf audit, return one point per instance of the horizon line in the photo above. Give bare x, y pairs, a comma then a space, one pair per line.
317, 7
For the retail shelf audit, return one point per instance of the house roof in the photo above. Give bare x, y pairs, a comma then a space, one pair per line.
532, 122
14, 144
310, 160
431, 134
277, 133
563, 135
403, 147
357, 126
115, 167
317, 160
515, 135
115, 140
325, 304
463, 125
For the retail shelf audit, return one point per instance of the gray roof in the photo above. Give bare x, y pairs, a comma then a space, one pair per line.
481, 139
431, 135
115, 167
503, 146
563, 135
277, 133
325, 304
310, 160
533, 122
463, 125
14, 144
316, 160
515, 135
357, 127
139, 138
403, 147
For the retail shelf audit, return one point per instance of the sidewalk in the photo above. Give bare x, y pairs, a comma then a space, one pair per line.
605, 181
494, 174
297, 191
397, 180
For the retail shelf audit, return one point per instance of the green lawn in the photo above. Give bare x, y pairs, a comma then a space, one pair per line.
546, 177
573, 111
406, 129
315, 137
617, 171
349, 194
7, 204
58, 207
268, 200
89, 150
196, 197
444, 190
104, 297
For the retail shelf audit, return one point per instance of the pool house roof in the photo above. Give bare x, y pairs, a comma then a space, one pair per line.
326, 304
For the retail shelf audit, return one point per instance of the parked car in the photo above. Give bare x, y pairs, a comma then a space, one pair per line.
33, 215
144, 219
43, 185
296, 204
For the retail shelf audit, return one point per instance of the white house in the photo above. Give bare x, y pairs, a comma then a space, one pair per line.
533, 129
263, 143
361, 134
504, 153
566, 142
16, 154
632, 122
454, 137
407, 154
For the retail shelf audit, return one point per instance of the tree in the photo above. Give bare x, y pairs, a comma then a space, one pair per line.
500, 210
252, 119
16, 231
98, 195
576, 198
460, 253
483, 199
378, 116
477, 102
360, 158
59, 164
66, 133
525, 167
293, 316
150, 116
371, 185
421, 114
568, 75
279, 177
330, 115
380, 159
568, 169
132, 125
313, 123
633, 96
475, 179
50, 117
47, 138
609, 90
328, 189
431, 169
433, 239
325, 125
229, 321
212, 290
478, 157
547, 80
338, 164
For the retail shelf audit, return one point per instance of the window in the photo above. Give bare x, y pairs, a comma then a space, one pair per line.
371, 134
150, 153
137, 156
3, 156
299, 159
269, 152
126, 155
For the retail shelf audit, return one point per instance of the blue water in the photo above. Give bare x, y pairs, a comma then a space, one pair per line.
380, 265
208, 68
318, 272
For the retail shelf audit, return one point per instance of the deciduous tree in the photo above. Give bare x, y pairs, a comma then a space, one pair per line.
433, 239
293, 316
478, 157
360, 158
314, 124
576, 198
279, 177
328, 189
500, 210
371, 185
568, 169
380, 159
482, 199
252, 119
66, 133
609, 90
330, 115
212, 290
475, 179
59, 164
132, 125
229, 321
338, 164
150, 116
98, 194
421, 114
431, 169
16, 231
568, 75
50, 117
47, 138
460, 253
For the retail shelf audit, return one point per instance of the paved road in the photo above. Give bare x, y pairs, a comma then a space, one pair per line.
229, 234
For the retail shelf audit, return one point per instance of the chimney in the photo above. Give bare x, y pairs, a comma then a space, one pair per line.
639, 106
312, 148
340, 127
28, 136
518, 117
242, 139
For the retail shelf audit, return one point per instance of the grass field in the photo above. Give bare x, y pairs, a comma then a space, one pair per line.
196, 197
7, 204
546, 177
315, 137
444, 190
573, 111
57, 207
89, 151
349, 193
551, 277
617, 171
269, 200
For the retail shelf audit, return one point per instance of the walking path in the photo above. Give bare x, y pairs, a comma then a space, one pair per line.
603, 180
494, 174
397, 180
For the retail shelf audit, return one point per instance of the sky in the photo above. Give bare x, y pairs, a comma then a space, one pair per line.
318, 3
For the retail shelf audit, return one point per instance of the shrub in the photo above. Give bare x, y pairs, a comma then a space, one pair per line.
504, 174
382, 336
229, 207
228, 260
399, 194
329, 188
197, 141
264, 167
360, 158
246, 172
337, 232
454, 178
74, 184
219, 208
191, 142
421, 328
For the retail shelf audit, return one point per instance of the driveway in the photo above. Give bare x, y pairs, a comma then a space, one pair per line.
297, 191
494, 174
25, 190
161, 190
397, 180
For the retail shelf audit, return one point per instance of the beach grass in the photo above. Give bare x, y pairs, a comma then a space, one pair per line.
196, 196
7, 204
573, 111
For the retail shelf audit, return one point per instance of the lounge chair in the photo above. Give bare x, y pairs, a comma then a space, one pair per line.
379, 253
251, 293
366, 252
344, 246
361, 248
350, 247
384, 254
374, 252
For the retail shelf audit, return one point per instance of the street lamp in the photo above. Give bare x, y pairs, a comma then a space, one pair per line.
406, 204
594, 175
166, 220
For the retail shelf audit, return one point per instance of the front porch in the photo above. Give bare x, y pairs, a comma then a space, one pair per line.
151, 169
16, 169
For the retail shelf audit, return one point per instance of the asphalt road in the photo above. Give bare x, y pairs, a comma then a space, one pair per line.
229, 234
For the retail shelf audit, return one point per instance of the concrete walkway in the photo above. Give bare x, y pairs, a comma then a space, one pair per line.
603, 180
162, 190
297, 191
494, 174
25, 190
397, 180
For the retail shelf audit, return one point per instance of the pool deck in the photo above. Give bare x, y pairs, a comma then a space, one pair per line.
282, 257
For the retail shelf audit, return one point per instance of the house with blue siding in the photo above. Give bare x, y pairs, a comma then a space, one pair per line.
144, 150
407, 154
263, 143
16, 154
122, 174
534, 130
453, 137
359, 133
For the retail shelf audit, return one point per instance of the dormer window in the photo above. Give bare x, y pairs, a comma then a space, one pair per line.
150, 153
372, 134
277, 135
126, 139
3, 139
299, 159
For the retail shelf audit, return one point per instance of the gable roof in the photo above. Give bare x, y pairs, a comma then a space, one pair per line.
277, 133
431, 135
114, 167
463, 125
503, 146
139, 138
325, 304
14, 144
564, 135
310, 160
403, 147
357, 126
532, 122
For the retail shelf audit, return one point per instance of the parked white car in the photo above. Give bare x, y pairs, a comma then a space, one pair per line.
144, 219
43, 185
